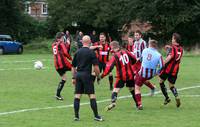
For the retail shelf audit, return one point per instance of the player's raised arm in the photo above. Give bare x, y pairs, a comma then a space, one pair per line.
109, 66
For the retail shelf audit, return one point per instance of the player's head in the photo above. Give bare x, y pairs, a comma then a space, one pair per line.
153, 43
137, 35
176, 38
67, 32
59, 35
86, 40
130, 38
102, 37
114, 46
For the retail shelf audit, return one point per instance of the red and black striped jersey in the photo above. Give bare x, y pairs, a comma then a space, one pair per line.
123, 60
130, 48
172, 67
60, 53
102, 53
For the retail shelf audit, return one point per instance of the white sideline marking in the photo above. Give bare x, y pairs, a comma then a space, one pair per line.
18, 69
25, 61
86, 103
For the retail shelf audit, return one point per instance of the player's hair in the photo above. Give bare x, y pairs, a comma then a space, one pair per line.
139, 32
59, 35
102, 33
131, 35
154, 43
177, 37
115, 44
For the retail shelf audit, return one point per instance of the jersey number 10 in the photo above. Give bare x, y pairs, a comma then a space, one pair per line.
124, 58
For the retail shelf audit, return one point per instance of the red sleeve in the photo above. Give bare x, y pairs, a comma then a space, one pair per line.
132, 57
171, 52
65, 51
109, 66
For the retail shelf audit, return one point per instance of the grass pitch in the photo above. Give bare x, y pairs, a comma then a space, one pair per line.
27, 98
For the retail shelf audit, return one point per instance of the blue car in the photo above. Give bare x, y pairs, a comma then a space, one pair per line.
8, 45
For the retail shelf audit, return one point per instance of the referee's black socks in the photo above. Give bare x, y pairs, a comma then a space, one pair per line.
93, 105
164, 90
76, 107
60, 87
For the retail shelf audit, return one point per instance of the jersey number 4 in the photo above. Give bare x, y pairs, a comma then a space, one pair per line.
124, 58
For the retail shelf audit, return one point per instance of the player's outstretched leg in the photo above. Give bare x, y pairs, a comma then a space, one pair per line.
59, 89
132, 91
151, 86
113, 102
175, 93
164, 92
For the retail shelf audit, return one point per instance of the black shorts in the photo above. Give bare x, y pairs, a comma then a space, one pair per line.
62, 71
120, 83
84, 83
102, 66
170, 78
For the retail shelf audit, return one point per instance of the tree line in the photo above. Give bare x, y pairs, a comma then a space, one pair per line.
166, 17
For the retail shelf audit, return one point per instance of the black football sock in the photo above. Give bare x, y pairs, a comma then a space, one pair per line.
76, 107
114, 97
60, 87
164, 90
174, 91
133, 96
93, 105
111, 81
93, 78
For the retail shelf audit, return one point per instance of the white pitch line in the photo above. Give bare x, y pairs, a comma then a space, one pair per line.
86, 103
25, 61
19, 69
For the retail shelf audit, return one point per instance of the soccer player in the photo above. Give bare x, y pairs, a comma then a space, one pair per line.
130, 45
151, 60
170, 71
139, 46
61, 63
123, 61
102, 49
81, 70
67, 40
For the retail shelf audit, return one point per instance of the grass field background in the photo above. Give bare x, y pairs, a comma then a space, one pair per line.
23, 87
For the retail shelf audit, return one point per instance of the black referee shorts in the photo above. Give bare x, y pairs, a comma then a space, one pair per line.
84, 83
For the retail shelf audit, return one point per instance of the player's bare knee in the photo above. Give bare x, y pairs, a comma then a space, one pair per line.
78, 96
116, 90
171, 85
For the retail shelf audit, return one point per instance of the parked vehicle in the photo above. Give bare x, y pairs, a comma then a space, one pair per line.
8, 45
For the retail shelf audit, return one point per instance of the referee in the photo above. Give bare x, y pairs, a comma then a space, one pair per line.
81, 71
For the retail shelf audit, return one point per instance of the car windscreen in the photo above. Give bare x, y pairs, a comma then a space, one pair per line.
5, 38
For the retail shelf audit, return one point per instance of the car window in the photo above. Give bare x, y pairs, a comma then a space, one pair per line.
5, 38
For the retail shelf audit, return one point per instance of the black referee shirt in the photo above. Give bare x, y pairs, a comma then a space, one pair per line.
83, 59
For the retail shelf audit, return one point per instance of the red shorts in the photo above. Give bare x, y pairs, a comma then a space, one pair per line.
139, 80
136, 67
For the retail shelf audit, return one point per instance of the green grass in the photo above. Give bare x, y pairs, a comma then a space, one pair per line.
22, 87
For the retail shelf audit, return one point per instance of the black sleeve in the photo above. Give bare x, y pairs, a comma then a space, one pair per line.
74, 62
94, 58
